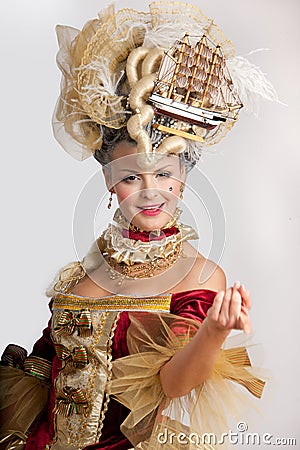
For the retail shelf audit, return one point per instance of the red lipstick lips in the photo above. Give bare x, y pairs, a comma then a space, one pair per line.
151, 210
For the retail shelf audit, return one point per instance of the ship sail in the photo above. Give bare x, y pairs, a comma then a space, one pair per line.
165, 76
197, 75
194, 85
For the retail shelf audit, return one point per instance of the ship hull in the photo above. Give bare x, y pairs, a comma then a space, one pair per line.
182, 111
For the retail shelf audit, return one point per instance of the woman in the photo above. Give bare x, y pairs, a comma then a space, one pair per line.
133, 349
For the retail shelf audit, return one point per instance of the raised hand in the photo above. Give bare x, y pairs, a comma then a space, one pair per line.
230, 310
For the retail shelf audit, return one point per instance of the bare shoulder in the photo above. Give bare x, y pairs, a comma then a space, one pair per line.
212, 276
88, 288
204, 274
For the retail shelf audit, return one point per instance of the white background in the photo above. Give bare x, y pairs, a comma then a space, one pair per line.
255, 171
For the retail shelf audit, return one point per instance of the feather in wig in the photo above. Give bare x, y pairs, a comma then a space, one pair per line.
104, 88
250, 83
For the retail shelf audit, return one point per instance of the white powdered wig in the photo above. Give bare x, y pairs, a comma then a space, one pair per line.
192, 153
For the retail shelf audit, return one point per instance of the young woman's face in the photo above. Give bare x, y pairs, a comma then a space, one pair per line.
147, 197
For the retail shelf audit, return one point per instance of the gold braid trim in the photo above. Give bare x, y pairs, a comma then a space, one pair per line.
112, 303
109, 376
69, 276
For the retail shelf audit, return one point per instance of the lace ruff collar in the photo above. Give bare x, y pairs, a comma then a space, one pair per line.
130, 251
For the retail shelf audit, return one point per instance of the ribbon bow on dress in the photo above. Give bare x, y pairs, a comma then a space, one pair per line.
69, 322
71, 400
76, 356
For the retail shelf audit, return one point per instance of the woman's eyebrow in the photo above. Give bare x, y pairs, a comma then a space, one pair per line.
128, 170
136, 172
164, 167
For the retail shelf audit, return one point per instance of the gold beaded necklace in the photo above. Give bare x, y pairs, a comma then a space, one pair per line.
128, 258
147, 269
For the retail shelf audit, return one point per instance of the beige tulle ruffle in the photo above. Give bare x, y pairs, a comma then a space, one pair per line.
22, 398
92, 62
210, 408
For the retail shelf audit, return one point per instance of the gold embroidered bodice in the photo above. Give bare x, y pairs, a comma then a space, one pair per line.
82, 332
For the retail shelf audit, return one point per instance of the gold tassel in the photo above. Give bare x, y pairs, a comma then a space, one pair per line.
181, 191
110, 200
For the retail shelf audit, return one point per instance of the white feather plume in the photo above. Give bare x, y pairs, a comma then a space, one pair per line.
250, 83
105, 87
163, 36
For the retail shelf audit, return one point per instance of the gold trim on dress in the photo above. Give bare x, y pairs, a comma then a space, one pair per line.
106, 398
112, 303
76, 431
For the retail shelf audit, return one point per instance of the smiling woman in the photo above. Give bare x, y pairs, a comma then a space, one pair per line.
147, 198
136, 340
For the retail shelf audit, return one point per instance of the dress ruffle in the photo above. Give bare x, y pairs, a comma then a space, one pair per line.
209, 408
22, 398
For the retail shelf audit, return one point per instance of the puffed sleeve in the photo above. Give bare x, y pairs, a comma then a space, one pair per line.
192, 304
25, 383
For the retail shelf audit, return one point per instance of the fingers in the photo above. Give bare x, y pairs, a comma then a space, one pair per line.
245, 322
245, 294
224, 311
230, 309
215, 309
235, 307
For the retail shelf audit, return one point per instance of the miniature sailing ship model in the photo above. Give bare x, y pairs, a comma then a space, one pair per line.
194, 92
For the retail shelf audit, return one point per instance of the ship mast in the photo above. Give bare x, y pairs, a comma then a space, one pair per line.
216, 53
181, 52
201, 43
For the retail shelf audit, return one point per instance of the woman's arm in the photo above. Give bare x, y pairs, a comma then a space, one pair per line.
193, 364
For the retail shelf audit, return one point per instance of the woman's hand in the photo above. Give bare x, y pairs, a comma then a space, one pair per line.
230, 310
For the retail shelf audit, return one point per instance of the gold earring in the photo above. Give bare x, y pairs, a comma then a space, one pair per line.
181, 191
110, 200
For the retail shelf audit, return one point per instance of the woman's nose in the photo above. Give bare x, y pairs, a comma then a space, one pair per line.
149, 187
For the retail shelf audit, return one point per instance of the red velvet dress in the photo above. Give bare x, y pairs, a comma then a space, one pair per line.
191, 304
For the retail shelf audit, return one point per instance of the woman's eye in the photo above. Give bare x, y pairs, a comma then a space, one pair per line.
164, 174
130, 178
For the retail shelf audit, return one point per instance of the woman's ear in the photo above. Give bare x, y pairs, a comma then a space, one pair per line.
107, 177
